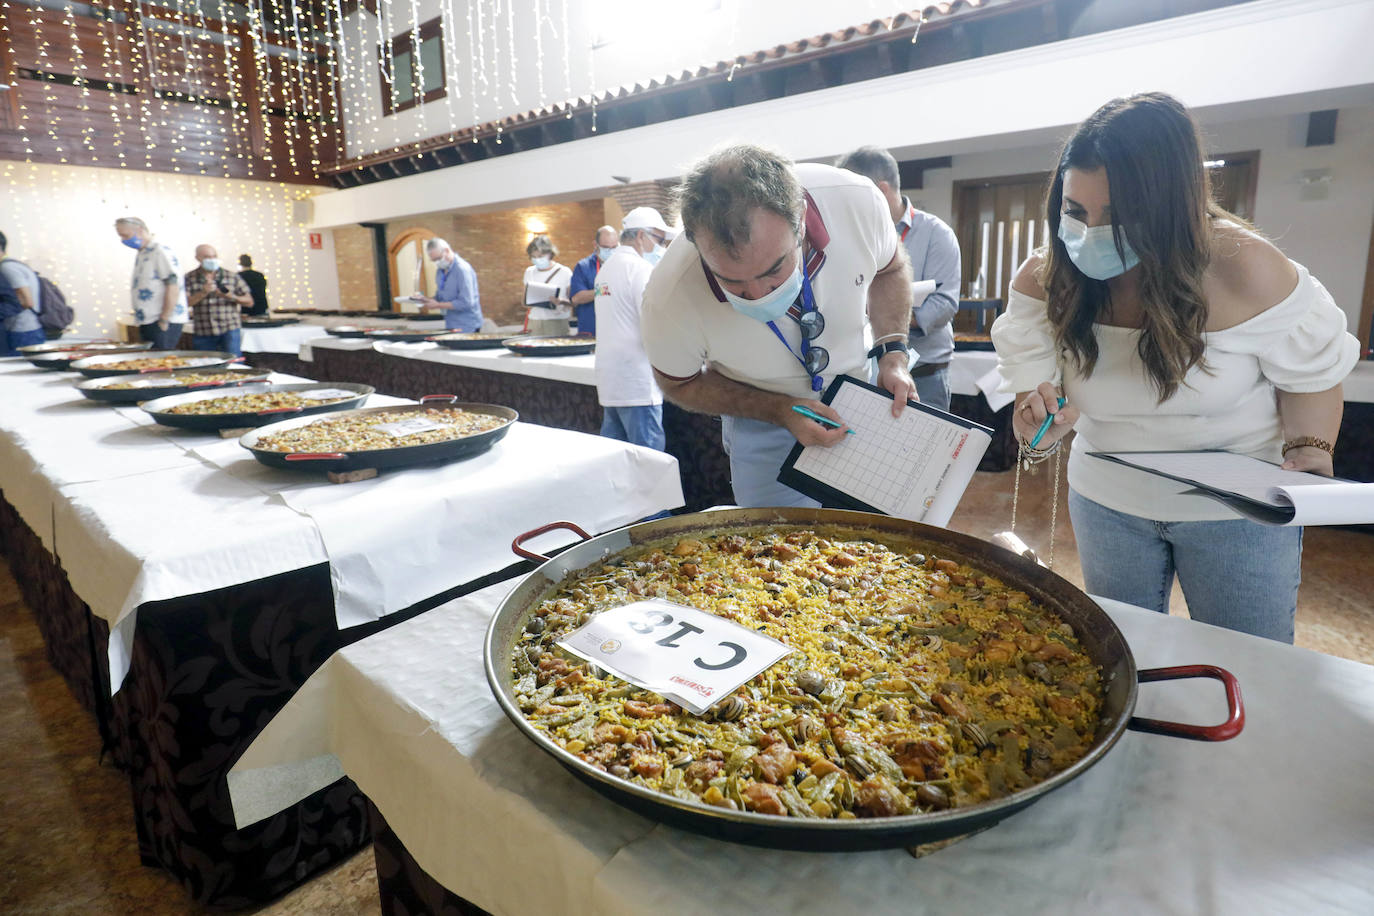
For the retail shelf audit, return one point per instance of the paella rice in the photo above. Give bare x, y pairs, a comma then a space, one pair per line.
551, 341
916, 683
358, 432
181, 380
251, 403
159, 362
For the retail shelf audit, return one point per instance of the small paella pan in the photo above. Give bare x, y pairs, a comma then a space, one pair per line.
130, 389
254, 405
439, 428
474, 340
536, 345
150, 362
936, 684
60, 354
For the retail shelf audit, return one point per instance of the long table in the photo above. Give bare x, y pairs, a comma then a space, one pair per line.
208, 587
471, 814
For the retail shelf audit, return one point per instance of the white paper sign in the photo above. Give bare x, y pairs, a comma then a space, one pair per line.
691, 657
326, 394
408, 427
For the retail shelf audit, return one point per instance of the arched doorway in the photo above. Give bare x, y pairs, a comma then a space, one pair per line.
412, 272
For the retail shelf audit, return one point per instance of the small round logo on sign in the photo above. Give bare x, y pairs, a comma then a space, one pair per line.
610, 646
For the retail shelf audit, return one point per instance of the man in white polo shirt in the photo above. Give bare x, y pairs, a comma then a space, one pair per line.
631, 402
785, 276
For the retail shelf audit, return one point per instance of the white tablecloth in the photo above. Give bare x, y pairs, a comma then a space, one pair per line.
285, 339
1278, 820
580, 369
139, 512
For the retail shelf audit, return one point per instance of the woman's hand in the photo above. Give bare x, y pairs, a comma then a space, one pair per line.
1031, 411
1308, 458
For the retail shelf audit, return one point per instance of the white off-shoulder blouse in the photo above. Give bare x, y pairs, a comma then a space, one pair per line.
1298, 345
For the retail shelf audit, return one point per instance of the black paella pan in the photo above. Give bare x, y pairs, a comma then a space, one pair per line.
115, 363
163, 384
160, 409
60, 354
457, 341
399, 456
538, 345
1096, 632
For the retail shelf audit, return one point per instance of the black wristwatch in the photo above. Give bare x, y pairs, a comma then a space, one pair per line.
886, 347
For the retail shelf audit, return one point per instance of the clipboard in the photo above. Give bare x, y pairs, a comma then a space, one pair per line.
915, 467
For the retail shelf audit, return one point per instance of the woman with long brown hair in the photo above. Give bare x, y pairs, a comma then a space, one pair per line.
1166, 323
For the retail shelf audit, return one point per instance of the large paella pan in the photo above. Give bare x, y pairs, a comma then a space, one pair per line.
818, 726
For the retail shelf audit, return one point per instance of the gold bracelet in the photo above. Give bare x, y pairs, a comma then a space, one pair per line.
1313, 441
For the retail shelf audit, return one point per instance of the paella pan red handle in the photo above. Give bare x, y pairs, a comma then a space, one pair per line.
517, 545
450, 398
313, 456
1235, 719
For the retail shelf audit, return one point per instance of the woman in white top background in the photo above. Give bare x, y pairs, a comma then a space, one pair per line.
555, 317
1167, 324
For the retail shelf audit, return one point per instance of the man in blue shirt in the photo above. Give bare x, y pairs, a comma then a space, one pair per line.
455, 291
583, 285
934, 252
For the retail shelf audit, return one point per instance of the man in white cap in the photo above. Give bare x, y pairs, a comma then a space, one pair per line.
631, 401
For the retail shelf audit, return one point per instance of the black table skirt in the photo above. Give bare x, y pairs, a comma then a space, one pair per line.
208, 672
407, 889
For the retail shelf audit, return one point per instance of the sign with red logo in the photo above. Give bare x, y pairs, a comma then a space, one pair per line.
316, 241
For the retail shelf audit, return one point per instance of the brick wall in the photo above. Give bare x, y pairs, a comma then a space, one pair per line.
494, 243
656, 194
357, 277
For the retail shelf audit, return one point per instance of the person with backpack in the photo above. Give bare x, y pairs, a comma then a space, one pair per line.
23, 327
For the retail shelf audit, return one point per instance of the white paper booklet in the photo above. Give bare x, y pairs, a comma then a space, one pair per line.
539, 294
1257, 489
915, 466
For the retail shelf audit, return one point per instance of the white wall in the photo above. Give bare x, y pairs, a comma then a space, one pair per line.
959, 108
1329, 236
636, 42
60, 220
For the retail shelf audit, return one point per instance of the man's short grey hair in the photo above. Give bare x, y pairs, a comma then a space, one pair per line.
720, 193
874, 163
132, 221
627, 236
436, 245
608, 230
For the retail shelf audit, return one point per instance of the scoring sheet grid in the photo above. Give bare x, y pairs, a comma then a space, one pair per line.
875, 464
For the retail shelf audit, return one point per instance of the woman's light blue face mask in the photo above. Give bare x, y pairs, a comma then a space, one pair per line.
1093, 250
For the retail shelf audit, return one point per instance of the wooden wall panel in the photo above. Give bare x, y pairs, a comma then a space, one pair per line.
172, 104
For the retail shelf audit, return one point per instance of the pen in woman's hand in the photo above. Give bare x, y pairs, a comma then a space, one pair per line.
1045, 425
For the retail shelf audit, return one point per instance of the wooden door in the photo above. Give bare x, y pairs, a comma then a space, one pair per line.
999, 221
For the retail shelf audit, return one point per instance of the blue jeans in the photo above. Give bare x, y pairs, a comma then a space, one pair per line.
11, 341
586, 318
228, 342
757, 451
162, 340
1236, 574
641, 424
933, 390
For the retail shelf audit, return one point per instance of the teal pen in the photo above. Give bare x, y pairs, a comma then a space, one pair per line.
1044, 427
824, 421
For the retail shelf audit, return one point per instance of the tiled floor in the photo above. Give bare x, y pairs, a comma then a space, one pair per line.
67, 840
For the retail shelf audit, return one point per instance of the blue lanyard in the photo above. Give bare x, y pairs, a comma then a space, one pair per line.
808, 304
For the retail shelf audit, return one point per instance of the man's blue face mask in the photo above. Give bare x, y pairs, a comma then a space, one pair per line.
133, 242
